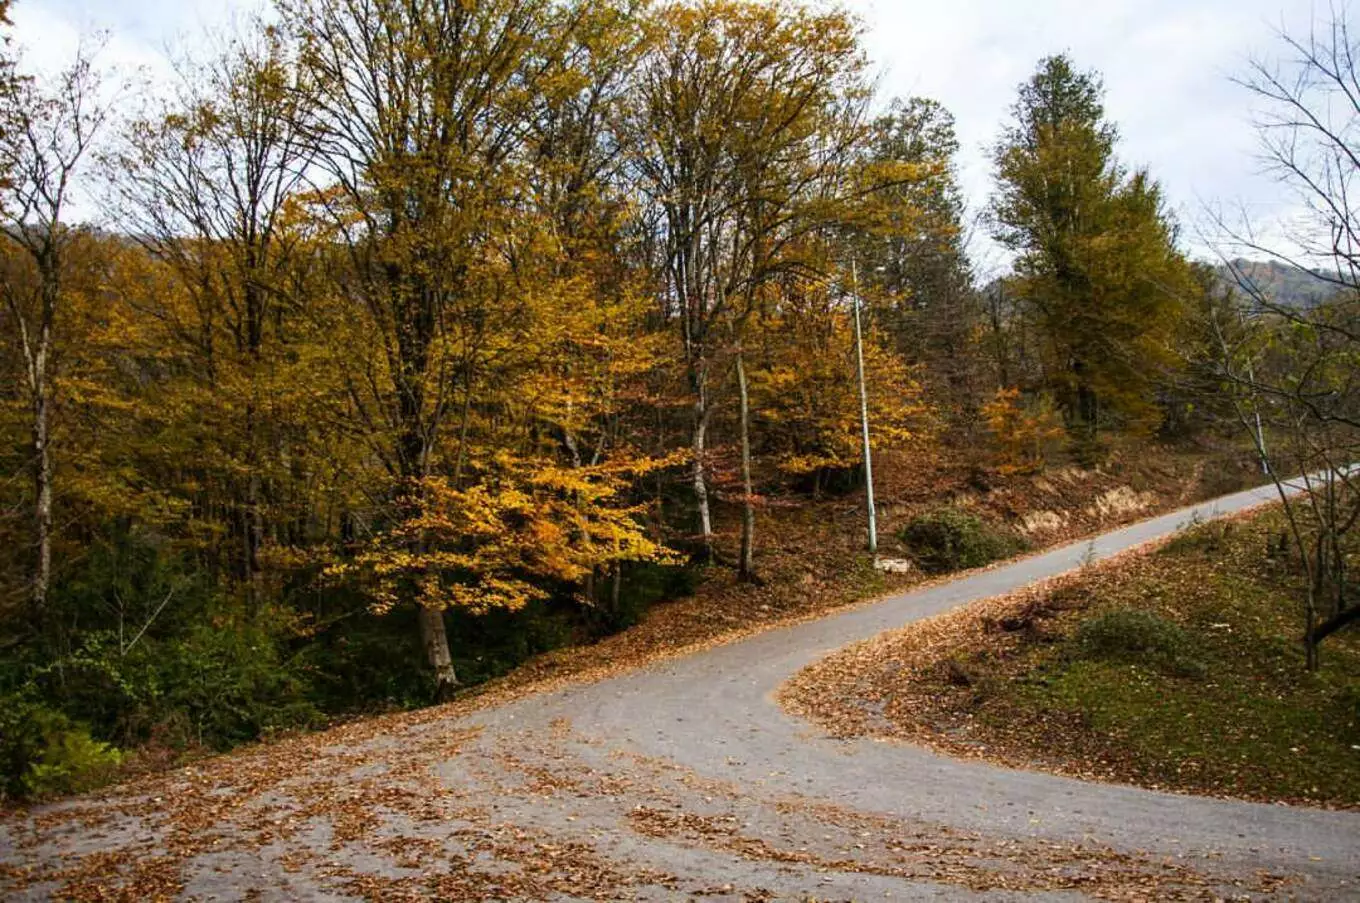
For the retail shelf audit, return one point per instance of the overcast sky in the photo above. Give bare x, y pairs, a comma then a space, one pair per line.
1167, 66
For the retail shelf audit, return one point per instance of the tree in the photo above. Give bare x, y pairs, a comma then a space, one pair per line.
913, 259
1097, 261
47, 132
459, 168
207, 183
807, 393
1296, 367
743, 124
421, 112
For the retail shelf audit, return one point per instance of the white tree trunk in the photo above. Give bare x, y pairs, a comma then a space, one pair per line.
42, 473
700, 475
436, 642
746, 567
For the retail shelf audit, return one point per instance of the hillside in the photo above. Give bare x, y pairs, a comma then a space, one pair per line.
1278, 282
1122, 672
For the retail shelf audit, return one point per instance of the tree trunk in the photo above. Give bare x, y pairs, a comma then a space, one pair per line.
40, 383
1087, 414
700, 476
414, 445
42, 480
746, 567
1086, 411
433, 635
254, 519
616, 589
436, 642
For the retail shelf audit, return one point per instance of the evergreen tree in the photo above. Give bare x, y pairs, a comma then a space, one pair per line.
1097, 263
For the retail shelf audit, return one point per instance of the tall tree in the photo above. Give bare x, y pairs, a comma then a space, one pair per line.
47, 132
1097, 262
914, 264
741, 135
422, 111
207, 184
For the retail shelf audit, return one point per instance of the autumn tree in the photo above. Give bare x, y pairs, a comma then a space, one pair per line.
806, 391
595, 376
420, 116
47, 130
1096, 257
207, 182
743, 118
432, 120
913, 260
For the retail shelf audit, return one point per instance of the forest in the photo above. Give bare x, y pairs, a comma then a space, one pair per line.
398, 341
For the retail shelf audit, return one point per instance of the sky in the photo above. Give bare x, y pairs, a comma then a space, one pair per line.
1167, 66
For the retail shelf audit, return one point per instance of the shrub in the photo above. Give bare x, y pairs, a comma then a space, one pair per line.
1139, 637
951, 539
223, 681
230, 680
43, 752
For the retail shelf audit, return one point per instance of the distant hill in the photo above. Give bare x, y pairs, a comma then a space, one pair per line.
1281, 283
1278, 282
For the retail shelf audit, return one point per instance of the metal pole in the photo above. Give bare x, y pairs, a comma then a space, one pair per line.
864, 417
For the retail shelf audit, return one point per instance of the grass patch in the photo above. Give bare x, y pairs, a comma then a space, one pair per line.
1182, 669
1186, 671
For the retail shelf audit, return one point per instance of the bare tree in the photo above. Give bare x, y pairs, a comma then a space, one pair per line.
1295, 366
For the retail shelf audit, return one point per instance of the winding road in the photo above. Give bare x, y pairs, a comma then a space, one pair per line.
684, 779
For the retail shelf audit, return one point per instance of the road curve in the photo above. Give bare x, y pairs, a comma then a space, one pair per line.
715, 713
683, 779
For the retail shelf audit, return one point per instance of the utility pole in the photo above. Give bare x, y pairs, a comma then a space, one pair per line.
864, 416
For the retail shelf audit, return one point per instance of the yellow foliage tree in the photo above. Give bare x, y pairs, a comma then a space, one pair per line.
808, 394
502, 542
1021, 433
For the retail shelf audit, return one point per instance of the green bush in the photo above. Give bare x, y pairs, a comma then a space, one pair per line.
165, 655
951, 539
225, 680
1139, 637
44, 752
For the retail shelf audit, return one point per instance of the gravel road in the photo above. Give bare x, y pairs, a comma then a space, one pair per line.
681, 780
